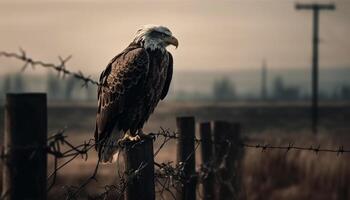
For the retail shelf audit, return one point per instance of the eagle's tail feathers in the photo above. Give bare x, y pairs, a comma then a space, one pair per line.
109, 148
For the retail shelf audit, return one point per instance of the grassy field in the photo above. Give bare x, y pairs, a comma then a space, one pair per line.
254, 117
266, 175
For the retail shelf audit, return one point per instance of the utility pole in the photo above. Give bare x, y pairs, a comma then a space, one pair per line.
315, 8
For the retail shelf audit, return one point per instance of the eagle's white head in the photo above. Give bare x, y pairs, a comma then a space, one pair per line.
155, 37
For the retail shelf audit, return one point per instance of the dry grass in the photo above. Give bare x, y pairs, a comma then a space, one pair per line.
297, 174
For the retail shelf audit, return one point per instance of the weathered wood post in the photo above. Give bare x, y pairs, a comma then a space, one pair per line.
25, 166
207, 159
139, 166
227, 156
186, 157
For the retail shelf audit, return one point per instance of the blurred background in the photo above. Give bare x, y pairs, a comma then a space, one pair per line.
222, 43
247, 61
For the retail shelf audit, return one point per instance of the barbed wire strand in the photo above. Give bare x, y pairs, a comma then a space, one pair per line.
61, 67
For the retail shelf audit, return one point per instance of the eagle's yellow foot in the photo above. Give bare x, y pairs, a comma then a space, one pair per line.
128, 138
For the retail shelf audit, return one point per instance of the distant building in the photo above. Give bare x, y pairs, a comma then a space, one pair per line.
13, 83
54, 87
224, 90
345, 92
264, 81
282, 92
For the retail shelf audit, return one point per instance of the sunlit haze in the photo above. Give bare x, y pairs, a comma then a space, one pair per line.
220, 36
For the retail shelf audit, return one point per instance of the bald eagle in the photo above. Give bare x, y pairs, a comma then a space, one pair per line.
130, 88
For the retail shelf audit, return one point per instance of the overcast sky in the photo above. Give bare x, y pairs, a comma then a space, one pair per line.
212, 34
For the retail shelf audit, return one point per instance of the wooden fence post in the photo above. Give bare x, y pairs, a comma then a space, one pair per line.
207, 159
25, 166
186, 157
139, 166
227, 156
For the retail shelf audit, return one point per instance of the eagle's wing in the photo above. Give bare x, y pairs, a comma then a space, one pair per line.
168, 77
123, 76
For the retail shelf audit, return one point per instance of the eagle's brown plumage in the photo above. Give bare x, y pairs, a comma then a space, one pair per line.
131, 86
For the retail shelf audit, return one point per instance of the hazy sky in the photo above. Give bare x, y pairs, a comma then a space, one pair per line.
212, 34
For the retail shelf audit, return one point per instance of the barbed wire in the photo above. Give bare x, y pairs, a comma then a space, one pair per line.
316, 148
263, 147
61, 67
168, 175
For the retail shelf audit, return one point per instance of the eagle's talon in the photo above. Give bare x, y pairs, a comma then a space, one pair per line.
135, 138
128, 138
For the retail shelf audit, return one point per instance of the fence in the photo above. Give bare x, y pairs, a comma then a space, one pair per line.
26, 148
26, 155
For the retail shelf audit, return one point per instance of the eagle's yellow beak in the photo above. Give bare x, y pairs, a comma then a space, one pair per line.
172, 40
